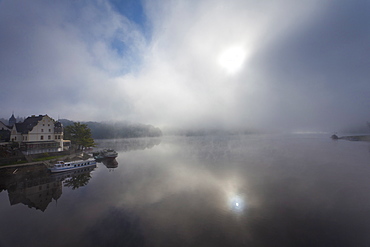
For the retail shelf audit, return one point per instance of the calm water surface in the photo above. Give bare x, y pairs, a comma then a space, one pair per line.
252, 190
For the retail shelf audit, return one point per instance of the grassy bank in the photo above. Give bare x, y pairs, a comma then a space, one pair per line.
48, 158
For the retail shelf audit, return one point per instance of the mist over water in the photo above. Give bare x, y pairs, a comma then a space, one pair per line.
255, 190
212, 75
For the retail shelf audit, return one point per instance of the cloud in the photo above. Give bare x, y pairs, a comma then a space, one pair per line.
60, 63
303, 64
190, 86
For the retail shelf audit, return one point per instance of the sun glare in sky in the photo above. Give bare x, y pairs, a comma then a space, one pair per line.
232, 59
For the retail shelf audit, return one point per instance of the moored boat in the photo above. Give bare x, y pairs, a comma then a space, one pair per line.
62, 166
105, 154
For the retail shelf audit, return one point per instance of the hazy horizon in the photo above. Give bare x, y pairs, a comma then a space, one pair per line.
282, 65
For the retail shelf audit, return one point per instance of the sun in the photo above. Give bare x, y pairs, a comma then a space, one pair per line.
232, 59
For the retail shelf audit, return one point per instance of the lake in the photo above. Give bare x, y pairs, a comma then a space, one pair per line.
237, 190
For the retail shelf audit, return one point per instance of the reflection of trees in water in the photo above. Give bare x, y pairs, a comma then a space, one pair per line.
77, 181
130, 144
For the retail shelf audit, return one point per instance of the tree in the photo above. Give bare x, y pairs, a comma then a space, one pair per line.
77, 181
80, 135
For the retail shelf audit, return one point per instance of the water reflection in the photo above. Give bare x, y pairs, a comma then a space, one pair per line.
116, 227
211, 191
110, 163
36, 187
76, 178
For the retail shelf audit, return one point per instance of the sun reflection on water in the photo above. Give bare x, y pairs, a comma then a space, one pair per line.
235, 195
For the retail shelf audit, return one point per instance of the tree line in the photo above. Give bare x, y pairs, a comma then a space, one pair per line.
80, 135
83, 134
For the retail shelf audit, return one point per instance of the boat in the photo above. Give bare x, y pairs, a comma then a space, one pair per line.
62, 166
105, 154
60, 176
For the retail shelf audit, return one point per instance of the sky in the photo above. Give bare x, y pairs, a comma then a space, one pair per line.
282, 64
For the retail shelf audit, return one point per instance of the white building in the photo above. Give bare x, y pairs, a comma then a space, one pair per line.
38, 134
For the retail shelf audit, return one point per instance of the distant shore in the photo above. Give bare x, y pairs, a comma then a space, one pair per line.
365, 138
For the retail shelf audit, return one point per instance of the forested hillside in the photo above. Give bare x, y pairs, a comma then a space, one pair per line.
109, 130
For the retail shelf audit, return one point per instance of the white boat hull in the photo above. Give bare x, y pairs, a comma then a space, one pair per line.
73, 165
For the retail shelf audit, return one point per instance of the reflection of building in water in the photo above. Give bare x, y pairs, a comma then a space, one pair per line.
38, 188
36, 192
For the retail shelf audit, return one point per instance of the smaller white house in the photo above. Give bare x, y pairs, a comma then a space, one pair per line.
38, 134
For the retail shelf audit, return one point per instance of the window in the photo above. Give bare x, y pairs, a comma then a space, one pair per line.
56, 137
49, 137
42, 130
49, 130
42, 137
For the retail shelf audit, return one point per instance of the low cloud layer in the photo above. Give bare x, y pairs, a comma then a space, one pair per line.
245, 64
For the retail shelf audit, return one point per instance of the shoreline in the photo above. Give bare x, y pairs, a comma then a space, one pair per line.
25, 165
46, 163
365, 138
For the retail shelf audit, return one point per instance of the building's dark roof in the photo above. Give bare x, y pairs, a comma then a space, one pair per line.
2, 125
12, 118
58, 124
28, 124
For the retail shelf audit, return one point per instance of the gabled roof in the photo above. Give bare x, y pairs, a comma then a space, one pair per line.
28, 124
3, 126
